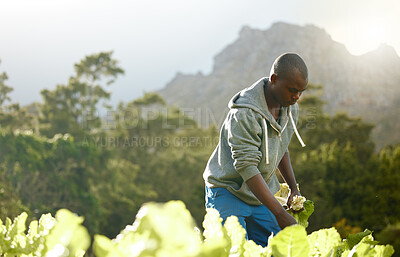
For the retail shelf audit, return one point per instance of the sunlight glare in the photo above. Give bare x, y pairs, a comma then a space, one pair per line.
366, 36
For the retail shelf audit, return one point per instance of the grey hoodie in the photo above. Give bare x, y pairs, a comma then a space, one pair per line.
251, 142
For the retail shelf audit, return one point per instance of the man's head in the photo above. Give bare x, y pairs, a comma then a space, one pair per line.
288, 78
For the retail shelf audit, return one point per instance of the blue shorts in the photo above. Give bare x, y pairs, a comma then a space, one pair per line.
258, 221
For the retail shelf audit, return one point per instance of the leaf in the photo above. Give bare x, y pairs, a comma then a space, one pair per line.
324, 242
212, 226
283, 192
79, 242
104, 247
237, 235
159, 230
169, 228
290, 242
8, 224
67, 235
354, 239
367, 247
46, 222
345, 253
33, 229
252, 249
18, 227
384, 250
302, 216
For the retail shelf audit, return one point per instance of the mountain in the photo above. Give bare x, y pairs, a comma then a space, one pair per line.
367, 85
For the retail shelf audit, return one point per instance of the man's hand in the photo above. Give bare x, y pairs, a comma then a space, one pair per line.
260, 189
293, 193
285, 219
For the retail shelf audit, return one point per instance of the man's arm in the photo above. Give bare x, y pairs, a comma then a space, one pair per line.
286, 170
260, 189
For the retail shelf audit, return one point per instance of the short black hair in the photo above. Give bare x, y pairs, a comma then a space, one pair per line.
287, 63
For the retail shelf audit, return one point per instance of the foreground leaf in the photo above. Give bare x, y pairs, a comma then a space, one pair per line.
290, 242
367, 247
159, 230
216, 239
324, 242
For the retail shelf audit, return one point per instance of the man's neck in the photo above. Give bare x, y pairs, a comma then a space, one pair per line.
273, 105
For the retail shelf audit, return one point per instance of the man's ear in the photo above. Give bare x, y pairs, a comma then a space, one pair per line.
273, 78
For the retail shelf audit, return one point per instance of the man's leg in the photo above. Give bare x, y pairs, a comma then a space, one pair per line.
227, 204
261, 224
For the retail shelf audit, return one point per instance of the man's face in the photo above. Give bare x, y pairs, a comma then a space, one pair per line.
288, 90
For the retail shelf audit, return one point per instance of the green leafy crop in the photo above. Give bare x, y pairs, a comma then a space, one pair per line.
168, 230
60, 236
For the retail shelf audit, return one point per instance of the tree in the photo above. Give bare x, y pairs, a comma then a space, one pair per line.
50, 174
4, 89
72, 108
12, 116
380, 197
10, 202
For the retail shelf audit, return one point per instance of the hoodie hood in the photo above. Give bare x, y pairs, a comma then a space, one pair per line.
253, 98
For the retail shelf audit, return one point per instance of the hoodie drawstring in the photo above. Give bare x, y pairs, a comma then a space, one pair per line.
266, 136
295, 130
266, 141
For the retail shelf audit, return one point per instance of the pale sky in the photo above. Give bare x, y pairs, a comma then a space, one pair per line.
40, 40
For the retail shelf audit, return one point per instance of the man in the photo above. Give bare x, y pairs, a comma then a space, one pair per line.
240, 175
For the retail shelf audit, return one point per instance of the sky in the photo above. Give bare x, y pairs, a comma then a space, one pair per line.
154, 39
